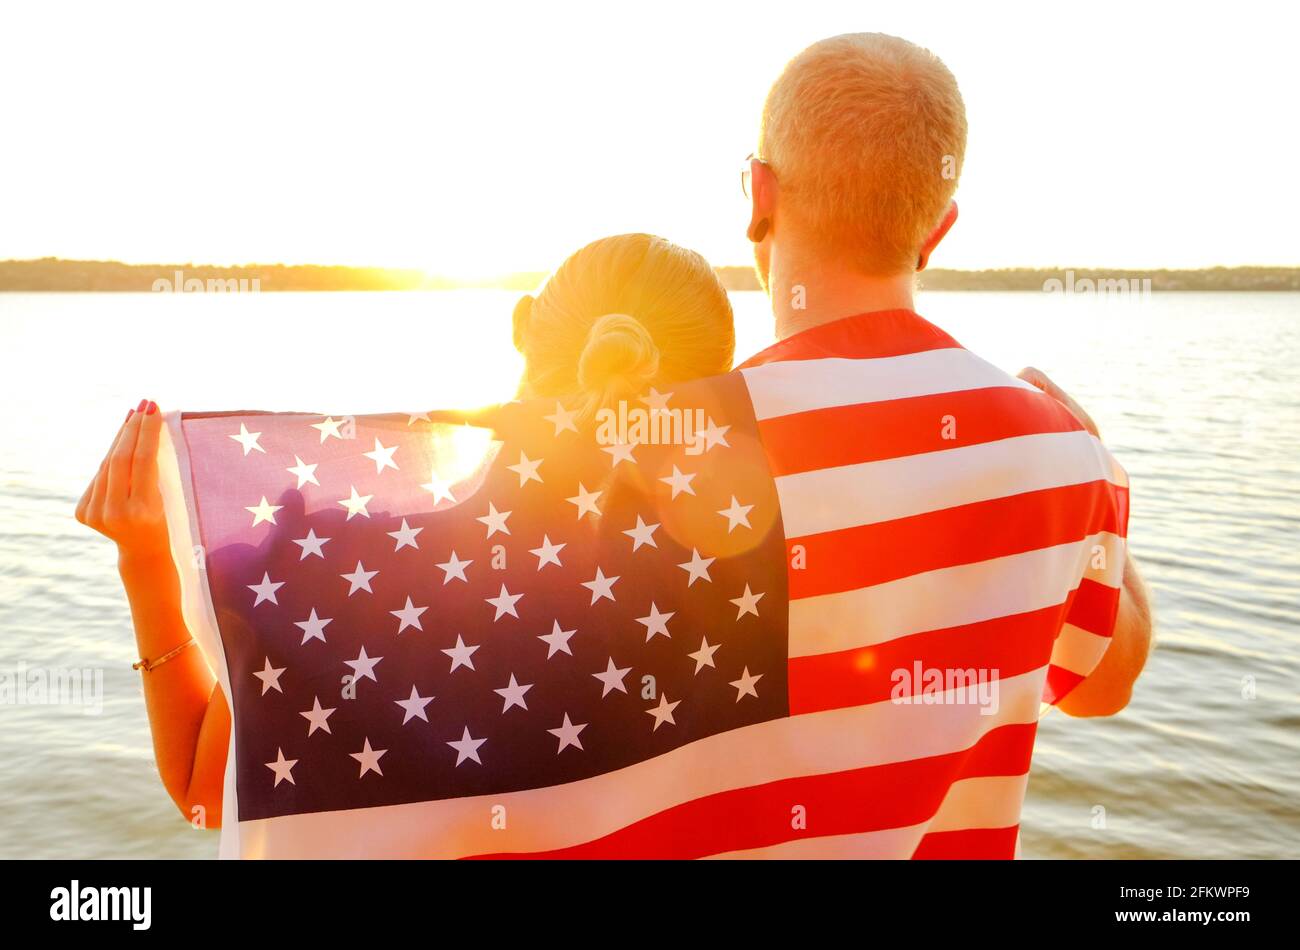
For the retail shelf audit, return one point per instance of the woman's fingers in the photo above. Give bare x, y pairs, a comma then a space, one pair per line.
1037, 378
1040, 380
144, 466
90, 507
119, 460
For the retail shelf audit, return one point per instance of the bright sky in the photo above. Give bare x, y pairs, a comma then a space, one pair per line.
476, 138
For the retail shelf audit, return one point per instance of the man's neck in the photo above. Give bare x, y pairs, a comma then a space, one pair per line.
806, 293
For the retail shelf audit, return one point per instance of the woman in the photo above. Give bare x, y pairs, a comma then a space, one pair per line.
622, 314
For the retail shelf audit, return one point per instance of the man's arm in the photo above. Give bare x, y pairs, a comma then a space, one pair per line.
1108, 688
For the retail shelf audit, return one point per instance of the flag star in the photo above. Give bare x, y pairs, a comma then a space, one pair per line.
414, 706
704, 655
567, 733
557, 640
642, 534
415, 417
359, 579
563, 419
504, 602
715, 435
600, 586
680, 481
460, 654
319, 718
747, 602
657, 401
585, 500
612, 678
270, 677
454, 568
382, 456
330, 427
405, 536
282, 767
306, 473
467, 747
548, 553
663, 713
495, 520
513, 693
697, 567
313, 628
248, 439
363, 667
745, 685
356, 505
526, 469
263, 512
656, 623
737, 514
266, 590
369, 759
439, 488
311, 545
409, 616
620, 452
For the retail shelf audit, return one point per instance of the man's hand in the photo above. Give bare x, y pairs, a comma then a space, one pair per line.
123, 501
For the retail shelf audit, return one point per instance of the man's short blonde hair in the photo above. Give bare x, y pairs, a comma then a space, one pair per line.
866, 134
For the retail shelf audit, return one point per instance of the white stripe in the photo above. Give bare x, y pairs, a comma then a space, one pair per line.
893, 843
564, 815
985, 802
951, 596
991, 801
1078, 650
790, 386
847, 496
176, 485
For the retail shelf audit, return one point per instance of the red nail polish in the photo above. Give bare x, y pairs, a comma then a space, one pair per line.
153, 407
141, 407
128, 415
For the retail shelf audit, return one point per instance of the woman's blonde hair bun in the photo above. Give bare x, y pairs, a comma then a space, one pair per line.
620, 359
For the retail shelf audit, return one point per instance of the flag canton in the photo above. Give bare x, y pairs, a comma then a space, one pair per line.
401, 625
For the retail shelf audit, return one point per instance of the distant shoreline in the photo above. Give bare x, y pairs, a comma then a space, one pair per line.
55, 275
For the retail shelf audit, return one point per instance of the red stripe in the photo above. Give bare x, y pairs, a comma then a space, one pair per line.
806, 441
1010, 645
874, 798
975, 843
850, 558
1095, 608
865, 336
1059, 683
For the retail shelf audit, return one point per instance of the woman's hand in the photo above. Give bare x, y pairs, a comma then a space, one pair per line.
1038, 379
123, 501
187, 713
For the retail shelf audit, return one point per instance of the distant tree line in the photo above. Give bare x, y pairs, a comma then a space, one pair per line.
57, 275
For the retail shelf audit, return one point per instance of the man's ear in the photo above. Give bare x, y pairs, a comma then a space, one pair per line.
931, 242
523, 311
762, 203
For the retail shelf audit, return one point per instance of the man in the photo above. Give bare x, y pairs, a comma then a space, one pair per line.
943, 519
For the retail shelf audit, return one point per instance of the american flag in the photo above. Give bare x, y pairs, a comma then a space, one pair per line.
517, 640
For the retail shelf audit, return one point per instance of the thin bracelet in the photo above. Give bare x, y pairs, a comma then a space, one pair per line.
148, 666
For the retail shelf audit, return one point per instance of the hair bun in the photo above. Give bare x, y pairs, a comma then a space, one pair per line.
620, 359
